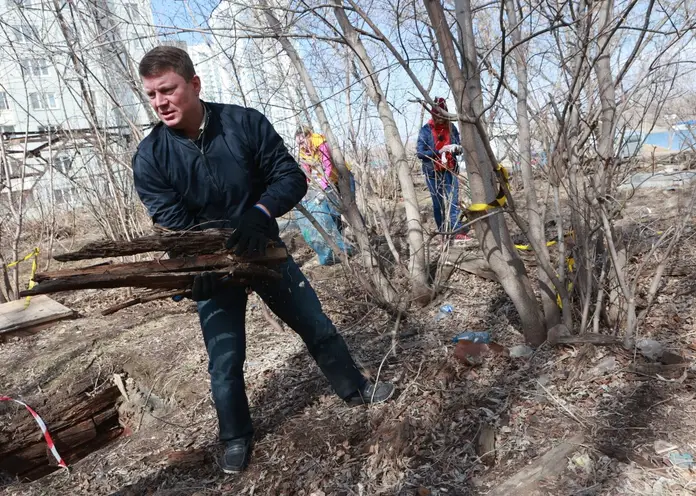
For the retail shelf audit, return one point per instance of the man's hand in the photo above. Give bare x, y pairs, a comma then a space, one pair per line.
253, 233
205, 286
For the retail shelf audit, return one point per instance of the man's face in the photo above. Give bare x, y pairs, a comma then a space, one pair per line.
174, 99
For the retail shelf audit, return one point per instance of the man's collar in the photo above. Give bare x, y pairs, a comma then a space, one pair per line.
204, 121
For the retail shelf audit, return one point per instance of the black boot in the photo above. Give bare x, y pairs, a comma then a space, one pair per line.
236, 456
371, 393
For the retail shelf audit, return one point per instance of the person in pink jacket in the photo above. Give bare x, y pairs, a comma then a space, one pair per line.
315, 158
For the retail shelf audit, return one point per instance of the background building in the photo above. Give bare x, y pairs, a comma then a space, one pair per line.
71, 106
255, 71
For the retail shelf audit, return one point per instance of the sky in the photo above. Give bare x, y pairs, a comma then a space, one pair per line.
194, 14
176, 13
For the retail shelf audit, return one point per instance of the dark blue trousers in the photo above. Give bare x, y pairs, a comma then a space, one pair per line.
444, 191
295, 302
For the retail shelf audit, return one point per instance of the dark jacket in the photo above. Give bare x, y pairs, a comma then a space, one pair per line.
425, 149
239, 161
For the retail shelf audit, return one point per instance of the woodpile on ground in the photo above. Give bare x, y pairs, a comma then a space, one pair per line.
80, 423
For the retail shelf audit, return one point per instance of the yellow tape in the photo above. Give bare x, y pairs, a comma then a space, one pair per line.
499, 201
571, 268
529, 247
571, 264
34, 256
548, 243
33, 253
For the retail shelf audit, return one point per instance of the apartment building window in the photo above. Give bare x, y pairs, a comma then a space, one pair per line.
132, 11
35, 67
65, 196
62, 163
43, 101
23, 33
4, 102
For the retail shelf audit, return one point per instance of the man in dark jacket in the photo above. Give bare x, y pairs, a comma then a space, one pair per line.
211, 165
437, 147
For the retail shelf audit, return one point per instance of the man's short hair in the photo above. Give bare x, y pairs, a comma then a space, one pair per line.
167, 58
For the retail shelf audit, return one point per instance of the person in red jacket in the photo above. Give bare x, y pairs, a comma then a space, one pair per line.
438, 145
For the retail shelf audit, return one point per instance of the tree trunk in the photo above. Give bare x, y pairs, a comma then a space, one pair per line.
607, 94
536, 222
418, 267
491, 231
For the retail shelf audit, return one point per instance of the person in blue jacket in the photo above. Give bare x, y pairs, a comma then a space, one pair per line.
212, 165
438, 145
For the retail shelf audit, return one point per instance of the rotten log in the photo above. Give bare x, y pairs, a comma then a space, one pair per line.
193, 263
240, 274
79, 424
183, 243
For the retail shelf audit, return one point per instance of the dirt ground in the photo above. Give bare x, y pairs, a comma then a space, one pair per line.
453, 429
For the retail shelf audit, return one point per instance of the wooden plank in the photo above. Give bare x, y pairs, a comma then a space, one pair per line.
549, 465
478, 267
28, 331
16, 316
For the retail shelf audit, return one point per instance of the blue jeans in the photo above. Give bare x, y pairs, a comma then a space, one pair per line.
295, 302
444, 191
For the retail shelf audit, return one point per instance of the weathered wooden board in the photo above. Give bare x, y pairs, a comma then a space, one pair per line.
462, 258
15, 316
551, 464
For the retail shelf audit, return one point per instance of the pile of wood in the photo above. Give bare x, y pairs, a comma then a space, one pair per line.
80, 423
190, 254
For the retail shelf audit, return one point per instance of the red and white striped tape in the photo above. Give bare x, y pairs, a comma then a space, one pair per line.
43, 427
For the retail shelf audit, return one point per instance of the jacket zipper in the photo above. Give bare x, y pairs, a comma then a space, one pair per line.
208, 170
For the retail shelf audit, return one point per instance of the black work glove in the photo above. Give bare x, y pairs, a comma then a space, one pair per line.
205, 285
252, 235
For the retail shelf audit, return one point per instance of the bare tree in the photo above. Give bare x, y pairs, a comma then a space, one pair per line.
350, 210
397, 155
491, 231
